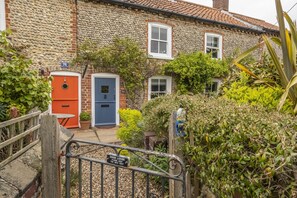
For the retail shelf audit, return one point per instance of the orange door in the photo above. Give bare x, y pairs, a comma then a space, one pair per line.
65, 97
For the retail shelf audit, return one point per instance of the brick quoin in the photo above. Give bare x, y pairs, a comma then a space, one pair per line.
7, 13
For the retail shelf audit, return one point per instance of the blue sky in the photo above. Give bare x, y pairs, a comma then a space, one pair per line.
261, 9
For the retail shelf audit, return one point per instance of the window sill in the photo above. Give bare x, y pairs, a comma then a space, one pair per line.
160, 57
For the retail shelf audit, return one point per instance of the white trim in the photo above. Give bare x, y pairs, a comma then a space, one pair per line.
217, 80
169, 40
63, 73
117, 84
2, 15
168, 84
220, 54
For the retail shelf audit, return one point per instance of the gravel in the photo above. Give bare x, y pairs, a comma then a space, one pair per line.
125, 177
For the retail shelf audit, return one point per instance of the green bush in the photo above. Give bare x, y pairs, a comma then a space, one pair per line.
193, 71
267, 97
156, 112
130, 131
20, 85
237, 148
84, 116
3, 112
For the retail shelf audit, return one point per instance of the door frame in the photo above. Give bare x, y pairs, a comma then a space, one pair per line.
117, 92
64, 73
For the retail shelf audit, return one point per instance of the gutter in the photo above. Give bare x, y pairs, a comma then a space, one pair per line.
169, 13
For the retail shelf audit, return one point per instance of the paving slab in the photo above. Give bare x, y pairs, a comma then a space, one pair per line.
106, 135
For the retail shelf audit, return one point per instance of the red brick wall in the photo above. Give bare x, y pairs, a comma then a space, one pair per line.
86, 91
7, 14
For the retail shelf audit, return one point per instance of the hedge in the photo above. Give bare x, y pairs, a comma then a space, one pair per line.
238, 148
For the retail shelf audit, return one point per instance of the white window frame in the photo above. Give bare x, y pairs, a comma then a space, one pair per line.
220, 48
217, 80
2, 15
168, 55
168, 84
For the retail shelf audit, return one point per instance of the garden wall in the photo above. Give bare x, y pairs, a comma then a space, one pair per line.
22, 177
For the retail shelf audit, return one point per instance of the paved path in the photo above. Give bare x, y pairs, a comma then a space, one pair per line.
106, 135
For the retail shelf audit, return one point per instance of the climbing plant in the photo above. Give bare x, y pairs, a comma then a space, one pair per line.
20, 85
124, 57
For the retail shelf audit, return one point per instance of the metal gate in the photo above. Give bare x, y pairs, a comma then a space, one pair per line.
95, 160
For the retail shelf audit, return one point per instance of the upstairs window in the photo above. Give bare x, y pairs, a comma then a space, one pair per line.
2, 15
159, 43
158, 86
213, 45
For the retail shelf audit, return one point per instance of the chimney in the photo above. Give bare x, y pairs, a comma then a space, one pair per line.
221, 4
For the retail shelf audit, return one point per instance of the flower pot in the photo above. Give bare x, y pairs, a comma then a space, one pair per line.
85, 125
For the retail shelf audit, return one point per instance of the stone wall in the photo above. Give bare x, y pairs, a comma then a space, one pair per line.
102, 22
53, 30
47, 28
22, 176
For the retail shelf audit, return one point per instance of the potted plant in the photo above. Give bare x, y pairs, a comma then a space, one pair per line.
85, 120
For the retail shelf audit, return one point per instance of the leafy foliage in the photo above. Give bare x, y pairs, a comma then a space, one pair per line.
265, 96
20, 86
3, 112
124, 57
287, 69
193, 71
237, 148
84, 116
130, 131
161, 162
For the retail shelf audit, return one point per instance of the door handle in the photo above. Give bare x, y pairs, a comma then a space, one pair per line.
65, 105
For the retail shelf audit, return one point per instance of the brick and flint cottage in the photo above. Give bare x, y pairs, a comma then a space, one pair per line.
53, 31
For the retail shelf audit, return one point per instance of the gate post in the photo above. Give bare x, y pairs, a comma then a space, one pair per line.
50, 148
176, 188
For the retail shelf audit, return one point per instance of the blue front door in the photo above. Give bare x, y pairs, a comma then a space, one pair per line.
105, 101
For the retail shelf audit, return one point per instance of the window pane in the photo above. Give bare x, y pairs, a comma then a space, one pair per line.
155, 85
208, 50
214, 87
214, 53
215, 42
155, 33
163, 34
162, 84
209, 41
154, 46
163, 48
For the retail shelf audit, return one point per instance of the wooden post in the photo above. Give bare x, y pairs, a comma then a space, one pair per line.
50, 148
175, 187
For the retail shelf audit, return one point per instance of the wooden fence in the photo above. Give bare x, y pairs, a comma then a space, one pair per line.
17, 136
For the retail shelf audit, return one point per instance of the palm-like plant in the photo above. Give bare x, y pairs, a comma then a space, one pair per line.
287, 68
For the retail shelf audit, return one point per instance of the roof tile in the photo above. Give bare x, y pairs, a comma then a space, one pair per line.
204, 12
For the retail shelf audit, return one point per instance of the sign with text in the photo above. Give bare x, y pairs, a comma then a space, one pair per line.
118, 159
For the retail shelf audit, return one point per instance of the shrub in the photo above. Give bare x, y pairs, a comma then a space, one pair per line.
262, 95
20, 85
3, 112
130, 131
193, 71
156, 113
238, 148
84, 116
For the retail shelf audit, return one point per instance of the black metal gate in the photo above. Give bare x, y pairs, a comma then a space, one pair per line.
96, 162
